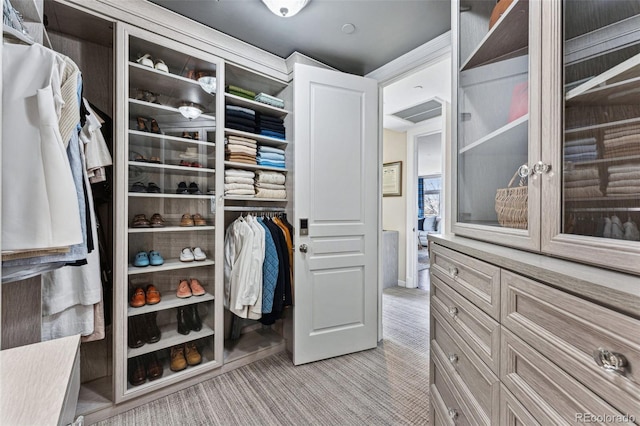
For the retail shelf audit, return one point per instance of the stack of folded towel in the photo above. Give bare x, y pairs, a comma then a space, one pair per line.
270, 184
240, 150
239, 91
239, 182
271, 157
582, 182
269, 100
624, 180
622, 141
270, 126
240, 118
580, 150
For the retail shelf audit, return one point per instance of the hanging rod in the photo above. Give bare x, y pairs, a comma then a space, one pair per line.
254, 209
604, 209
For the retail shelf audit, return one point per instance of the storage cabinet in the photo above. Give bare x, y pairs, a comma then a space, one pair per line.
545, 106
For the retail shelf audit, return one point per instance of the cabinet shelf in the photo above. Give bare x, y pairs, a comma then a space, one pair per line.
606, 160
251, 343
253, 167
506, 135
263, 140
508, 38
171, 229
169, 265
167, 115
172, 168
170, 337
584, 129
244, 198
255, 105
169, 301
173, 142
169, 195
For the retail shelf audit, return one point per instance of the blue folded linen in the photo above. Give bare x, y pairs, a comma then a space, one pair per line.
272, 134
270, 156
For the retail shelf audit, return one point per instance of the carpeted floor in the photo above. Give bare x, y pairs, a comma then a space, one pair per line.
423, 259
387, 385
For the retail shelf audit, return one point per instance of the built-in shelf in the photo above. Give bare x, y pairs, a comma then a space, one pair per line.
169, 337
605, 161
169, 265
169, 301
606, 125
508, 38
170, 229
95, 396
171, 142
610, 198
512, 133
170, 195
250, 344
167, 115
255, 105
171, 167
264, 140
253, 167
246, 198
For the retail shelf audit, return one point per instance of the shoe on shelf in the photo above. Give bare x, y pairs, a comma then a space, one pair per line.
156, 221
182, 188
184, 163
198, 220
152, 295
152, 331
142, 124
139, 187
137, 372
196, 165
196, 287
178, 362
140, 221
183, 321
186, 220
193, 189
161, 66
153, 188
187, 135
198, 254
138, 298
154, 367
193, 319
155, 259
134, 337
155, 128
155, 160
145, 60
141, 260
192, 354
186, 255
183, 290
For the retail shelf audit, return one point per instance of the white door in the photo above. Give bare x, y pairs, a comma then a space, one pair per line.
336, 192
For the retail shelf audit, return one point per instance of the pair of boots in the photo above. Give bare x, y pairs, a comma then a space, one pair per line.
188, 319
143, 368
143, 329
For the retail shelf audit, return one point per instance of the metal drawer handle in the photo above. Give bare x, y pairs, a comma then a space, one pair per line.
610, 361
453, 271
453, 413
453, 311
453, 358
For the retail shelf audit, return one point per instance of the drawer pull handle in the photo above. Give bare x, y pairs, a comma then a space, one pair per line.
610, 361
453, 358
453, 271
453, 311
453, 413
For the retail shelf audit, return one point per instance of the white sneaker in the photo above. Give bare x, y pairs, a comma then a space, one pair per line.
161, 66
145, 60
186, 255
198, 254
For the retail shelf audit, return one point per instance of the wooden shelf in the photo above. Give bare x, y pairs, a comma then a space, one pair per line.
505, 136
170, 229
253, 167
244, 198
169, 265
170, 337
167, 115
264, 140
95, 396
155, 195
255, 105
169, 301
174, 142
172, 168
508, 38
606, 160
608, 124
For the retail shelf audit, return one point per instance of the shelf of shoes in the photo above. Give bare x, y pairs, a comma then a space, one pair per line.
169, 336
169, 265
171, 229
169, 301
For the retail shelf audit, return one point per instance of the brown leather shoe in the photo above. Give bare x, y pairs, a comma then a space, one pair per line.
186, 220
184, 290
137, 374
152, 295
156, 221
192, 354
138, 298
178, 362
198, 220
154, 367
196, 288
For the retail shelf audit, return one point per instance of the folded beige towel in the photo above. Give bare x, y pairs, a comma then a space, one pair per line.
271, 193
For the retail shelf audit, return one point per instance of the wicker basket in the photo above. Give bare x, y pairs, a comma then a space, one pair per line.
512, 204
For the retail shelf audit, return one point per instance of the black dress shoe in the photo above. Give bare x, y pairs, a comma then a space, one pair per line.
134, 337
195, 323
152, 331
183, 324
137, 373
154, 367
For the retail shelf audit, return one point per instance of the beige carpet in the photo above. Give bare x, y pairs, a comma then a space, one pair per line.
387, 385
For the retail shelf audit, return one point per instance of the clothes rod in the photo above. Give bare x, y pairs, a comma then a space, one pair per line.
254, 209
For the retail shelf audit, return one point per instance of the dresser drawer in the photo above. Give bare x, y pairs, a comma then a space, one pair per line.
477, 329
552, 396
451, 409
477, 384
569, 330
478, 281
512, 413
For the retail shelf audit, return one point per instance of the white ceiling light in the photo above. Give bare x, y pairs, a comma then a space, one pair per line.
190, 110
285, 8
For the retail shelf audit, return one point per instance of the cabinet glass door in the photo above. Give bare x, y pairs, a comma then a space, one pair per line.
493, 121
601, 144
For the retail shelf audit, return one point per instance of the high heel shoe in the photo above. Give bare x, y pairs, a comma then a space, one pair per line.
154, 126
142, 124
145, 60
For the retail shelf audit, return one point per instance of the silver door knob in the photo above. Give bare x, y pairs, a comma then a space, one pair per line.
303, 248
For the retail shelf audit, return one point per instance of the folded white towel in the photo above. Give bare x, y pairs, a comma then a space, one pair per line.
270, 177
235, 179
269, 185
239, 173
228, 186
271, 193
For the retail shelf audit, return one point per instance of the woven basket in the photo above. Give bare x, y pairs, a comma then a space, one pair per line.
512, 204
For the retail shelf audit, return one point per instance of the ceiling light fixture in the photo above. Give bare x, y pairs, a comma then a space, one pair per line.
190, 110
285, 8
207, 82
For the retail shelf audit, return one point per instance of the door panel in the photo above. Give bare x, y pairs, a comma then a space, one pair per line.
337, 191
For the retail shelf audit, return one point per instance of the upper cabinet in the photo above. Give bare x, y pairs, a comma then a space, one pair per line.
547, 132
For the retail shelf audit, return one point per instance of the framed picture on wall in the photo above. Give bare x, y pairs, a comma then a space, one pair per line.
392, 179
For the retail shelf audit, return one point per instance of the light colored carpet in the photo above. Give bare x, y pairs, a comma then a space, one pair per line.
423, 259
387, 385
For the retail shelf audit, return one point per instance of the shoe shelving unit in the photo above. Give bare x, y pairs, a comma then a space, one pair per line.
160, 144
